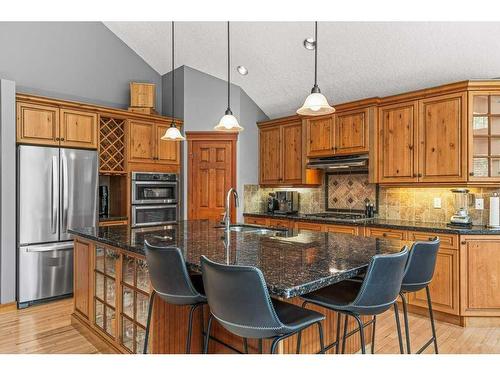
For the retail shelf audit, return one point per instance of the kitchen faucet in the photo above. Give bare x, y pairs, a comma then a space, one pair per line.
226, 220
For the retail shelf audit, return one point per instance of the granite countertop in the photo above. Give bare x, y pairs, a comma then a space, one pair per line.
293, 262
383, 223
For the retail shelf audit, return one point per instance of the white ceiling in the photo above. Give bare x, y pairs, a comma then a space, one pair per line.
356, 60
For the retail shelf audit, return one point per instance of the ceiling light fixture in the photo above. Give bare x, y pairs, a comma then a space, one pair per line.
242, 70
228, 122
316, 103
172, 133
309, 44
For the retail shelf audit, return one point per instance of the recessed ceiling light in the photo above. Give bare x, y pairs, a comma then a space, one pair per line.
242, 70
309, 43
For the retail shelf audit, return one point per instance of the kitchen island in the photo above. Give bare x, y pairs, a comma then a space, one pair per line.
111, 286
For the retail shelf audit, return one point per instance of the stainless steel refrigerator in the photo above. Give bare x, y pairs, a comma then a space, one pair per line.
57, 190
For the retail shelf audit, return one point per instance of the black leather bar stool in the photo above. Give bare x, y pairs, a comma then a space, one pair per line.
239, 300
374, 295
173, 284
418, 275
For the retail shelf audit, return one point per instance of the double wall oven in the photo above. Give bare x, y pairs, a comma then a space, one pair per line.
154, 198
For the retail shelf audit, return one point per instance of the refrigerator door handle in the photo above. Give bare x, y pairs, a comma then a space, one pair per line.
54, 195
41, 249
65, 193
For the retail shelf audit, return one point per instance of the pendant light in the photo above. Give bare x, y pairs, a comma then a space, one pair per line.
316, 103
172, 133
228, 122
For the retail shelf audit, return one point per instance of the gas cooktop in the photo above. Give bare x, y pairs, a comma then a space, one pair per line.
341, 216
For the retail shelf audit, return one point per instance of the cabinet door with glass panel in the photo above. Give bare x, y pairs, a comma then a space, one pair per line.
484, 136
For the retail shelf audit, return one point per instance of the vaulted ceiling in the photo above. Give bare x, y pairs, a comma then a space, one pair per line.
356, 60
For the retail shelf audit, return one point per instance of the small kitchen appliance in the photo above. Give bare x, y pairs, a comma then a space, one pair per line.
272, 203
103, 201
288, 202
461, 216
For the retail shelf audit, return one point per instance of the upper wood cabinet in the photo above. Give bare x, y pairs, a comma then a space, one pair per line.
351, 132
423, 141
168, 152
37, 124
320, 134
53, 126
78, 129
397, 135
282, 154
146, 145
442, 133
270, 155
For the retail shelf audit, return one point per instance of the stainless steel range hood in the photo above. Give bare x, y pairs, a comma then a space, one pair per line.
340, 164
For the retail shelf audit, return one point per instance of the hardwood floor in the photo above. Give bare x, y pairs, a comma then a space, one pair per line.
47, 329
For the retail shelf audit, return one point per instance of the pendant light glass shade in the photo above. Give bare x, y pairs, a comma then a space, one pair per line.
173, 134
228, 122
316, 103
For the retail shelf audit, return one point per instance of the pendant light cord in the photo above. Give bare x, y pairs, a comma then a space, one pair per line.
228, 69
173, 75
316, 53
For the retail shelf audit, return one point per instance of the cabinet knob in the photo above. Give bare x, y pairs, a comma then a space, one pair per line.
414, 175
62, 139
384, 234
463, 243
410, 147
58, 139
471, 174
420, 175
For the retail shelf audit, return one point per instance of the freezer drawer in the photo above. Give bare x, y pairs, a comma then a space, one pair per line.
45, 271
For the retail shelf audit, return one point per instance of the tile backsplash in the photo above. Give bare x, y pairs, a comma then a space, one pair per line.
394, 203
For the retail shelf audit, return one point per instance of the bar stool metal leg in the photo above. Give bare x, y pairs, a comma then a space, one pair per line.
207, 337
338, 334
405, 317
245, 345
190, 326
431, 315
260, 346
299, 337
321, 340
361, 333
345, 333
398, 327
373, 333
148, 324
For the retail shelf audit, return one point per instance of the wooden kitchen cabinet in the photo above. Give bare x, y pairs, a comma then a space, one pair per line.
386, 233
346, 229
78, 129
270, 155
282, 159
479, 270
146, 145
37, 124
320, 134
309, 226
168, 152
397, 137
442, 133
351, 132
256, 220
280, 223
82, 275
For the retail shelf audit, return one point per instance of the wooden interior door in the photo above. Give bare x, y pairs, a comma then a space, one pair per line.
351, 132
270, 155
320, 136
397, 135
442, 132
141, 141
212, 172
292, 153
167, 152
78, 129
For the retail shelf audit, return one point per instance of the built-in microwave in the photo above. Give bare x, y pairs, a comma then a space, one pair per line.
147, 215
154, 188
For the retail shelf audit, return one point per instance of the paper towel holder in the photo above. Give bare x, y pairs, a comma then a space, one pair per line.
497, 219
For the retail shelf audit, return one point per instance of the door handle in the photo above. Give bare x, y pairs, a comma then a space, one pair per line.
53, 195
65, 194
49, 248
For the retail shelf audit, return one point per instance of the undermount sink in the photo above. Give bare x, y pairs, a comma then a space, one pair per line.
251, 229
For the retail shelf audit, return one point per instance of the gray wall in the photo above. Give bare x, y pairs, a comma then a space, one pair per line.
205, 100
7, 191
81, 61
